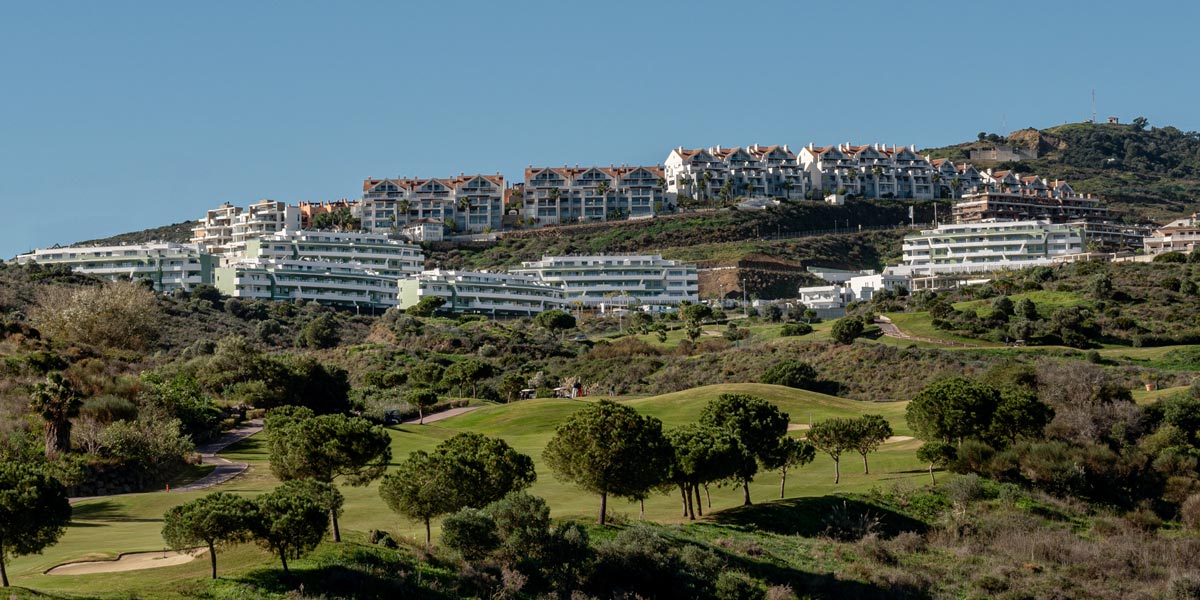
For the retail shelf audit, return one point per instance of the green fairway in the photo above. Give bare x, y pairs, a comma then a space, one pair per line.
106, 527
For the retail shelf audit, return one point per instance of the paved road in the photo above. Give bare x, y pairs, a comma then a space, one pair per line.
445, 414
224, 471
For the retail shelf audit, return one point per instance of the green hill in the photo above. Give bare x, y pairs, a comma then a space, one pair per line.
178, 232
1149, 172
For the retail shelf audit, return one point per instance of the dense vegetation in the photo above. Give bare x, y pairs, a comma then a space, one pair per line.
1147, 171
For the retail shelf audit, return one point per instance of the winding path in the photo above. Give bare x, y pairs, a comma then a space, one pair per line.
225, 469
889, 329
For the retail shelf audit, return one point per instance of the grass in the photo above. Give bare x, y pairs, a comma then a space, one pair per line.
106, 527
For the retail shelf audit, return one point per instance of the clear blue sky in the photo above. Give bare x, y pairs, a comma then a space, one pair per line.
118, 116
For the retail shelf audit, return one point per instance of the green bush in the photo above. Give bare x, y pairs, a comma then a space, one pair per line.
794, 329
470, 532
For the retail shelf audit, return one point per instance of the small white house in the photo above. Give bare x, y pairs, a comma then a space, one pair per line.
863, 287
425, 230
823, 297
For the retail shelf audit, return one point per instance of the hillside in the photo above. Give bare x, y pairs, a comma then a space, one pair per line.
178, 232
1149, 172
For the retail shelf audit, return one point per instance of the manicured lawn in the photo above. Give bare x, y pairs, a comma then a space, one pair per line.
106, 527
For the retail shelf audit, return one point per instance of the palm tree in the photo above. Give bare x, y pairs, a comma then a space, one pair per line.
464, 208
554, 195
705, 181
603, 190
57, 402
876, 171
852, 175
402, 208
787, 188
937, 184
726, 191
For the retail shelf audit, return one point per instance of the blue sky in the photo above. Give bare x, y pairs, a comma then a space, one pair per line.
117, 116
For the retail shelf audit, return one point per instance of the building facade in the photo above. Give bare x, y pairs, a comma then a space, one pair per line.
470, 203
354, 270
1180, 235
717, 173
169, 265
553, 195
627, 281
871, 171
225, 230
988, 246
491, 294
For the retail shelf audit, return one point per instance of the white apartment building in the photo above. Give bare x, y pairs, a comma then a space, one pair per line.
823, 297
346, 269
331, 283
492, 294
427, 230
615, 279
872, 171
1180, 235
170, 266
554, 195
375, 252
226, 229
471, 203
754, 171
989, 246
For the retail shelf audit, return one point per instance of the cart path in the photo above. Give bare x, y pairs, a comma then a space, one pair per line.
445, 414
225, 469
889, 329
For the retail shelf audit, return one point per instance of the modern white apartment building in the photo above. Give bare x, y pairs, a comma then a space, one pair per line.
375, 252
862, 288
617, 279
823, 297
472, 203
989, 246
754, 171
492, 294
580, 194
225, 230
331, 283
338, 268
169, 265
1180, 235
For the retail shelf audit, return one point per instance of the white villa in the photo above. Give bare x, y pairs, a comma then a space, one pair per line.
492, 294
470, 203
754, 171
872, 171
554, 195
625, 280
1180, 235
169, 265
989, 246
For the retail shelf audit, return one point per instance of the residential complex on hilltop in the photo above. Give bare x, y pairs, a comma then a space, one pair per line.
1180, 235
472, 203
554, 195
754, 171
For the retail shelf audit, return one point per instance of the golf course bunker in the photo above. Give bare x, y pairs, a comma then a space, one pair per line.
132, 561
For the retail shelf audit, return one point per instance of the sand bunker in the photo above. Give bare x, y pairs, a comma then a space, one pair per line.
133, 561
899, 438
798, 427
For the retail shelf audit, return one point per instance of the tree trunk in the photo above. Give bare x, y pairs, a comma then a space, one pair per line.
866, 469
642, 504
52, 438
837, 472
931, 477
745, 492
283, 558
687, 499
603, 505
683, 496
420, 416
3, 570
212, 559
707, 496
699, 507
782, 482
428, 533
337, 532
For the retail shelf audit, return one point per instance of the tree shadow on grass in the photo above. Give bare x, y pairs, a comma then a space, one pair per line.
351, 570
103, 510
810, 517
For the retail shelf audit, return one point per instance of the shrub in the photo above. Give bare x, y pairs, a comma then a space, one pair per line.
846, 329
1189, 513
471, 533
736, 585
791, 373
794, 329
